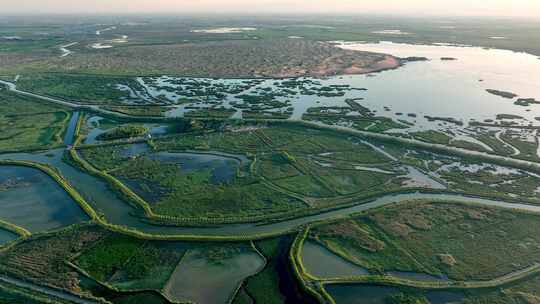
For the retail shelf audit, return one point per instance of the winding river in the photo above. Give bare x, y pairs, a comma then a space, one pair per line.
116, 211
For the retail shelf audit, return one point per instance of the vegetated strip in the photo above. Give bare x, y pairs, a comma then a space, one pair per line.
51, 292
307, 282
15, 229
65, 125
393, 281
137, 201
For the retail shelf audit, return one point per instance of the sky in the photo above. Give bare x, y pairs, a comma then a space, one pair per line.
513, 8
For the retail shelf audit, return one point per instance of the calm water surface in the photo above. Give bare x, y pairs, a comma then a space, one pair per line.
323, 263
33, 200
7, 236
374, 294
198, 280
437, 88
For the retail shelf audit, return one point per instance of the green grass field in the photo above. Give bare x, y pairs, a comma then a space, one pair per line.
462, 242
79, 88
130, 264
43, 260
286, 163
27, 124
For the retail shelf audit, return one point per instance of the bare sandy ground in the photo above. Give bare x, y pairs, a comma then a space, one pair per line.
337, 65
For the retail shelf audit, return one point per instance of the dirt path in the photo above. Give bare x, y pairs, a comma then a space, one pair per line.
393, 281
64, 295
516, 151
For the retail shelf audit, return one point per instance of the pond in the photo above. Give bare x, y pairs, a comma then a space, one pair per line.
323, 263
134, 150
7, 236
223, 167
201, 280
319, 261
31, 199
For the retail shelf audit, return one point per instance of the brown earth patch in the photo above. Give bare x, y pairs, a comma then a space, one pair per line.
352, 232
447, 259
419, 222
399, 229
477, 215
278, 58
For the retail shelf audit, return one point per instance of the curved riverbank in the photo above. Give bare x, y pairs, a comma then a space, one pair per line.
102, 204
316, 285
20, 231
51, 292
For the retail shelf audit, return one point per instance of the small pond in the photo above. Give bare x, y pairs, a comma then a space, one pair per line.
223, 167
202, 281
31, 199
7, 236
323, 263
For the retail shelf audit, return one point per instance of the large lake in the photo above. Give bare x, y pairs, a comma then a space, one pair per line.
455, 88
437, 87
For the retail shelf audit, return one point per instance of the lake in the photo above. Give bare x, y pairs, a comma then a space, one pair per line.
437, 88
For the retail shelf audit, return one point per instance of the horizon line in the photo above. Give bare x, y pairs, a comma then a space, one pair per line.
266, 14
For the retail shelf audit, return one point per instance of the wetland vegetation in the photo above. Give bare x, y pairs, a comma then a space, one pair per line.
156, 160
27, 123
417, 229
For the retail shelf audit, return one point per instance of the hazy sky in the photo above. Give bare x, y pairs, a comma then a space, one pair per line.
530, 8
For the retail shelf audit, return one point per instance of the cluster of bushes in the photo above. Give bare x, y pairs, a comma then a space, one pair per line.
121, 132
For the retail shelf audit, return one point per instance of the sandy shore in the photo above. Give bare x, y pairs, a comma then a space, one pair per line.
336, 66
388, 63
345, 62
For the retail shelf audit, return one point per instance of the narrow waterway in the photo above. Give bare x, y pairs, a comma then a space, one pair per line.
116, 211
48, 291
378, 136
72, 126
